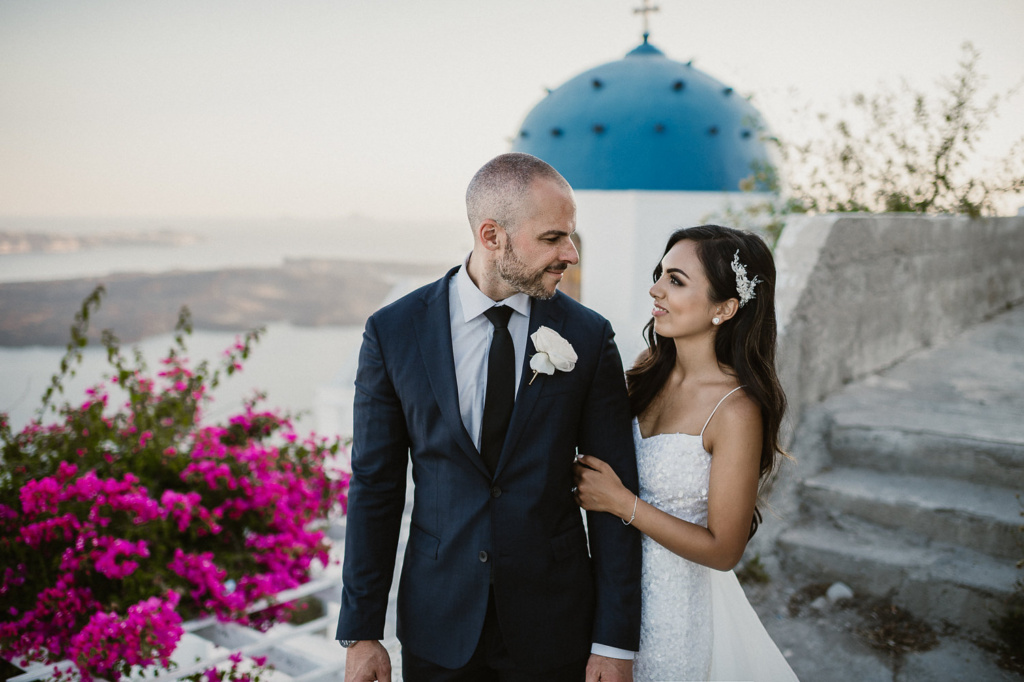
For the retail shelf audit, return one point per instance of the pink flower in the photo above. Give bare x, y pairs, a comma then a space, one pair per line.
40, 497
179, 507
110, 645
50, 530
208, 582
107, 564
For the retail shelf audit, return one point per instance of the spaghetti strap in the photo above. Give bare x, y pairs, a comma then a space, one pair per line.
716, 410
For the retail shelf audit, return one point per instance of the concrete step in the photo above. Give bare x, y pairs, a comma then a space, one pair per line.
894, 437
980, 517
954, 410
936, 581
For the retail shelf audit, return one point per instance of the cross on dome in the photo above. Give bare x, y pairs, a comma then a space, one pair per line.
645, 11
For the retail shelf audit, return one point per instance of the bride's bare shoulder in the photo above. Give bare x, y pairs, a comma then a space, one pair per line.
740, 405
739, 413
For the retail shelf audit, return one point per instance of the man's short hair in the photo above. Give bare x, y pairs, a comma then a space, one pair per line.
500, 189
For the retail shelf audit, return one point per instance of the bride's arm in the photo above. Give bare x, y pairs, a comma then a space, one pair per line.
734, 439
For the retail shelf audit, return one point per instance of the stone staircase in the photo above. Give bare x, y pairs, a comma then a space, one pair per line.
920, 496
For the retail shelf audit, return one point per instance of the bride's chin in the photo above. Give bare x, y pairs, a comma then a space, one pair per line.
665, 329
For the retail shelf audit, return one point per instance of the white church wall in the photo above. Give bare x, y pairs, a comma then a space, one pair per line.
623, 234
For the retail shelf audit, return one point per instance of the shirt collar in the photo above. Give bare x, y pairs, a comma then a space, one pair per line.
475, 302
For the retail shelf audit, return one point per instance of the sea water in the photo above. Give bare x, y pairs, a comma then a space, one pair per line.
291, 365
301, 369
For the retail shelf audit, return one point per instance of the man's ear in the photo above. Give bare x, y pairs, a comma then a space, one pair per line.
491, 234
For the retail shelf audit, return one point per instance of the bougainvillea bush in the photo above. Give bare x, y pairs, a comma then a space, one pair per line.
122, 514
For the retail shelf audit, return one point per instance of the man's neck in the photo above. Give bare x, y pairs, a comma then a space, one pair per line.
481, 272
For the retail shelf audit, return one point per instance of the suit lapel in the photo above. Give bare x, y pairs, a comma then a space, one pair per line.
434, 335
542, 314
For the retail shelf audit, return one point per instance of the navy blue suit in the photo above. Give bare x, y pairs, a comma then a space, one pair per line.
521, 530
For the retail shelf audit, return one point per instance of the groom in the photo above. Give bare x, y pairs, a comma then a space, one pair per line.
497, 582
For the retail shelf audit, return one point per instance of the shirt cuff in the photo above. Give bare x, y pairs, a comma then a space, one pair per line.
611, 652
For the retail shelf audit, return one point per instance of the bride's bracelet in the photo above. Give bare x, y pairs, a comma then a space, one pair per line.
633, 515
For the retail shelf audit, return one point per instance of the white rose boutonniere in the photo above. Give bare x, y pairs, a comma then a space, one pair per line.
553, 352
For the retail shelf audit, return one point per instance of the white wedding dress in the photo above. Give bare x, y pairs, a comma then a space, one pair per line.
697, 623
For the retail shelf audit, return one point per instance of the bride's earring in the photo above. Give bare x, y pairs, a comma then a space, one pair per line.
716, 320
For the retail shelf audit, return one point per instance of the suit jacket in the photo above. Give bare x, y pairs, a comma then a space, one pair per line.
520, 530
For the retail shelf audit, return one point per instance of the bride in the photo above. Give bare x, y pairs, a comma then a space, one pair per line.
707, 407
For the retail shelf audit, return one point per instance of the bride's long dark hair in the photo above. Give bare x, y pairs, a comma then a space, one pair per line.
744, 343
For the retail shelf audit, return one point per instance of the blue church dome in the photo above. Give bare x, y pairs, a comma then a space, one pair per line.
646, 122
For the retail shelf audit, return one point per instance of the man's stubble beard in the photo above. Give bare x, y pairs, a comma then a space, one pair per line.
514, 272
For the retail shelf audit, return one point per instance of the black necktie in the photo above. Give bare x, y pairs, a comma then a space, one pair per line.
501, 387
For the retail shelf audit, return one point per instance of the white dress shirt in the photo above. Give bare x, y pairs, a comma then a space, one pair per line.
471, 342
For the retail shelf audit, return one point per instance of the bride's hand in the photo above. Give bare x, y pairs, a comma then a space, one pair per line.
598, 487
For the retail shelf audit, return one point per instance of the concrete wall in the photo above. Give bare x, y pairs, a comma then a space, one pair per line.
857, 292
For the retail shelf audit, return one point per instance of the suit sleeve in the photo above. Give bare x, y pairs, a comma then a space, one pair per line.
606, 433
380, 455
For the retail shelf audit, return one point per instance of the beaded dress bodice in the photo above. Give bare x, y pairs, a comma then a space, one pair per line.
676, 626
674, 473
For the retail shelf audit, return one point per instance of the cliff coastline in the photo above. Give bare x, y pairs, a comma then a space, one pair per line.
303, 292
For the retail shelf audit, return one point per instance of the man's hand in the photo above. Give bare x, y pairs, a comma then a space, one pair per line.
603, 669
367, 661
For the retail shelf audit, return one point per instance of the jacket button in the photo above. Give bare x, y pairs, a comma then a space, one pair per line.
483, 556
495, 492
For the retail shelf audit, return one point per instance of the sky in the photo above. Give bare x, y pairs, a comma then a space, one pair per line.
313, 109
